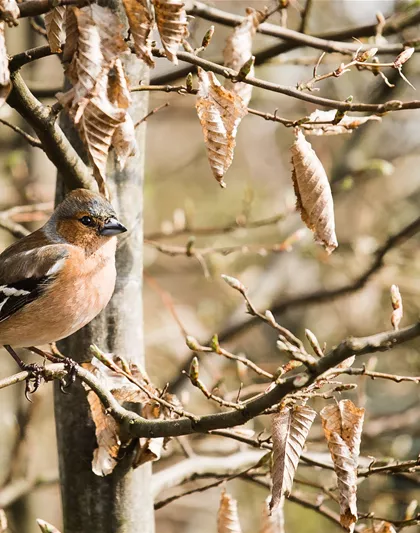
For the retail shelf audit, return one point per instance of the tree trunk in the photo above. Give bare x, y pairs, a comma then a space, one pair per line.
121, 502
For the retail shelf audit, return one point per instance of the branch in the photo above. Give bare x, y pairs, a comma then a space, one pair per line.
301, 39
31, 140
137, 426
54, 142
31, 8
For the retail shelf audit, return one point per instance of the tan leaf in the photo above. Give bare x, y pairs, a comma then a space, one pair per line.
140, 20
149, 450
239, 49
227, 516
346, 125
220, 111
397, 306
273, 522
9, 12
380, 527
313, 193
290, 429
99, 44
172, 24
118, 90
46, 527
54, 24
71, 42
124, 141
342, 424
5, 84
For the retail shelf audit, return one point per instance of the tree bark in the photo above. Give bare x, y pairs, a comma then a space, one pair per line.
122, 501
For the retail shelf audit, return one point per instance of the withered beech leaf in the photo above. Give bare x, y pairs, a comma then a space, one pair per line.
273, 522
9, 12
290, 429
239, 49
313, 193
71, 42
346, 125
172, 24
140, 19
54, 24
227, 516
220, 111
99, 44
342, 424
5, 84
124, 141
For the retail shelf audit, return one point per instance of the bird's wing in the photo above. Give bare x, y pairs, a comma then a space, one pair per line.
26, 273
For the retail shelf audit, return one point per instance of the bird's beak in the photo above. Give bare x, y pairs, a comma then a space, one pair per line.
112, 227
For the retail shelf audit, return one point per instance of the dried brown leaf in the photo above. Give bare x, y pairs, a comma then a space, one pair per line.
227, 516
397, 306
273, 522
290, 429
313, 193
54, 24
5, 84
220, 111
346, 125
99, 44
342, 424
172, 24
72, 39
239, 49
140, 19
9, 12
124, 141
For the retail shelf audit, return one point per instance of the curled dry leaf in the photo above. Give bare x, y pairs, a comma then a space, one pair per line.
140, 19
346, 125
227, 516
313, 193
72, 39
5, 84
54, 24
172, 24
397, 306
342, 424
273, 522
9, 12
220, 111
290, 429
238, 50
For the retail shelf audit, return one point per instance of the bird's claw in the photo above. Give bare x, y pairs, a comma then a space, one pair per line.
71, 367
34, 379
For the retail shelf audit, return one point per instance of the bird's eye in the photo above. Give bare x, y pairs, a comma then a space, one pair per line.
87, 221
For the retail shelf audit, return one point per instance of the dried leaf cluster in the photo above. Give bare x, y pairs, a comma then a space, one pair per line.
9, 12
111, 443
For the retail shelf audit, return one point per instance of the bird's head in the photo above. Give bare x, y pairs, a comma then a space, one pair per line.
86, 219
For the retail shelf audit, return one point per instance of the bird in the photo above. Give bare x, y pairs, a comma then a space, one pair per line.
57, 279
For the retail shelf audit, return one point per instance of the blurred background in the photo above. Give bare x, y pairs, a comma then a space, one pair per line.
376, 187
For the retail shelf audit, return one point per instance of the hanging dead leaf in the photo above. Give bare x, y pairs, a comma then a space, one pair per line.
140, 19
5, 84
290, 429
54, 24
342, 424
227, 516
9, 12
313, 193
124, 141
71, 42
273, 522
238, 50
172, 24
397, 306
118, 90
220, 111
380, 527
99, 44
346, 125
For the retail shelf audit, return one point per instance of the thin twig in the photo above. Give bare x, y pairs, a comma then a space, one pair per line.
31, 140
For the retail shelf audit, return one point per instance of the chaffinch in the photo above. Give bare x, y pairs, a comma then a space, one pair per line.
57, 279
